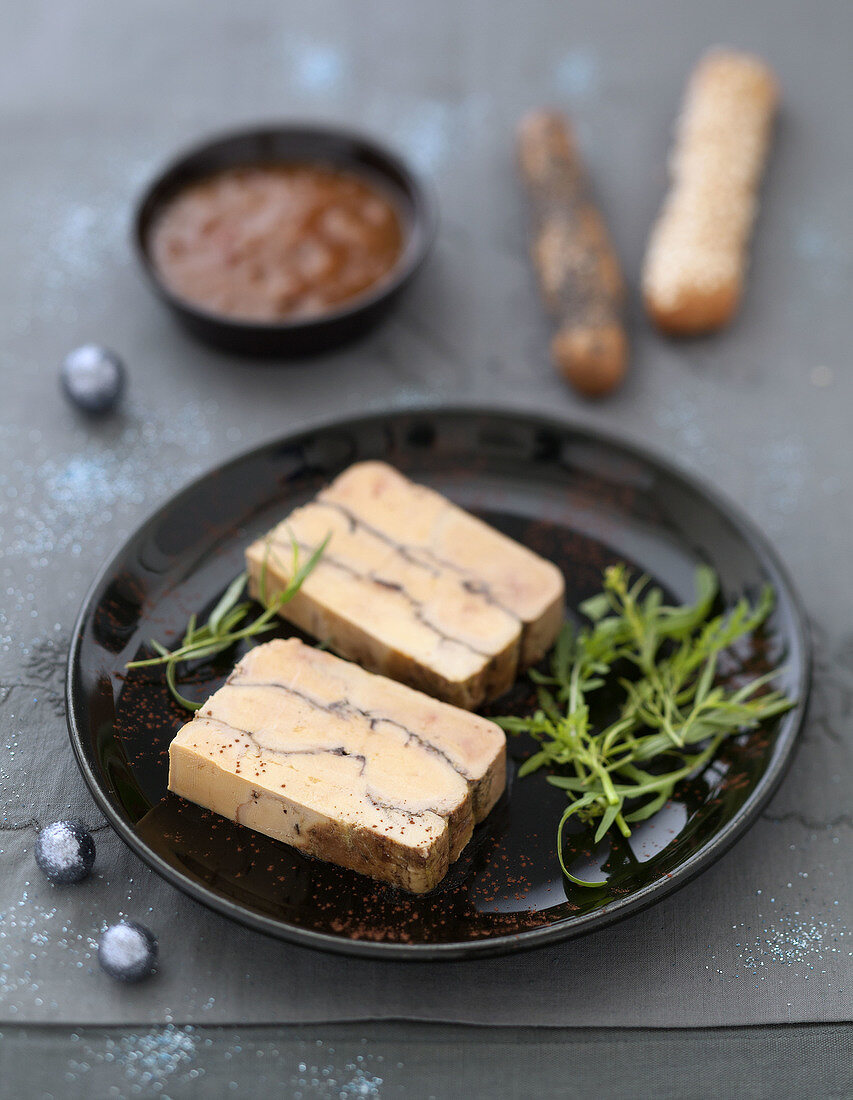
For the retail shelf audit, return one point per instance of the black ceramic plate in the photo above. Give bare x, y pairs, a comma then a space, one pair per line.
582, 500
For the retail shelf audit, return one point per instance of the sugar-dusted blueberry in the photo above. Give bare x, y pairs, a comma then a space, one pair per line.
65, 852
93, 378
128, 951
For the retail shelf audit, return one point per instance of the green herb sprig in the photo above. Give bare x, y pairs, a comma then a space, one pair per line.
672, 714
227, 622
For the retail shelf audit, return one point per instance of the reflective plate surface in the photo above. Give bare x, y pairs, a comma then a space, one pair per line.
578, 498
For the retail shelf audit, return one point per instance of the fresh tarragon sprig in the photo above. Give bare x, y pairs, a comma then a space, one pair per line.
672, 708
228, 622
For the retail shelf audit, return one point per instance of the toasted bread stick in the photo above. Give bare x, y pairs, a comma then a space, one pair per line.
697, 253
578, 270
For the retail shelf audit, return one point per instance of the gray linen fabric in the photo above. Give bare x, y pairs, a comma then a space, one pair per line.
406, 1062
94, 99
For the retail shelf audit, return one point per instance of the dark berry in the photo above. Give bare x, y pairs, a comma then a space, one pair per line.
65, 852
128, 951
93, 378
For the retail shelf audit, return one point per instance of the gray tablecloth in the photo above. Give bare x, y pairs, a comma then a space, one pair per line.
397, 1062
94, 97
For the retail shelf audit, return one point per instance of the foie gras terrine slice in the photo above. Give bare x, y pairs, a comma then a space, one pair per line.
345, 765
414, 587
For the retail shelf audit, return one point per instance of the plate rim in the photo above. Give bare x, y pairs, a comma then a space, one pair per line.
568, 927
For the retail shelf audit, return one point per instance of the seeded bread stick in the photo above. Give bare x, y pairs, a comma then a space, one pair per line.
579, 273
697, 253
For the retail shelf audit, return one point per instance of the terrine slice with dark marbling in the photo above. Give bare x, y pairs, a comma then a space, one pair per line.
345, 765
414, 587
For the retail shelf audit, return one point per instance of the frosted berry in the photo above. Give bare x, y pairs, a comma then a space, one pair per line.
65, 852
128, 951
93, 378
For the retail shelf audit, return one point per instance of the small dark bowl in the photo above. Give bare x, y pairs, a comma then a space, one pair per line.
283, 144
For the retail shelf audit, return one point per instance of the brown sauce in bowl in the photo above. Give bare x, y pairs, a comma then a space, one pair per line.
276, 242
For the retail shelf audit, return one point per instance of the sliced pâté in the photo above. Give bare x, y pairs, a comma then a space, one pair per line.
345, 765
412, 586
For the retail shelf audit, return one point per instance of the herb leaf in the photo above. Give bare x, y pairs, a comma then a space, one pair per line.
672, 702
227, 622
226, 604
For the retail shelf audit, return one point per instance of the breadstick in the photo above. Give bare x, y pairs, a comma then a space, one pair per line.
579, 273
697, 253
